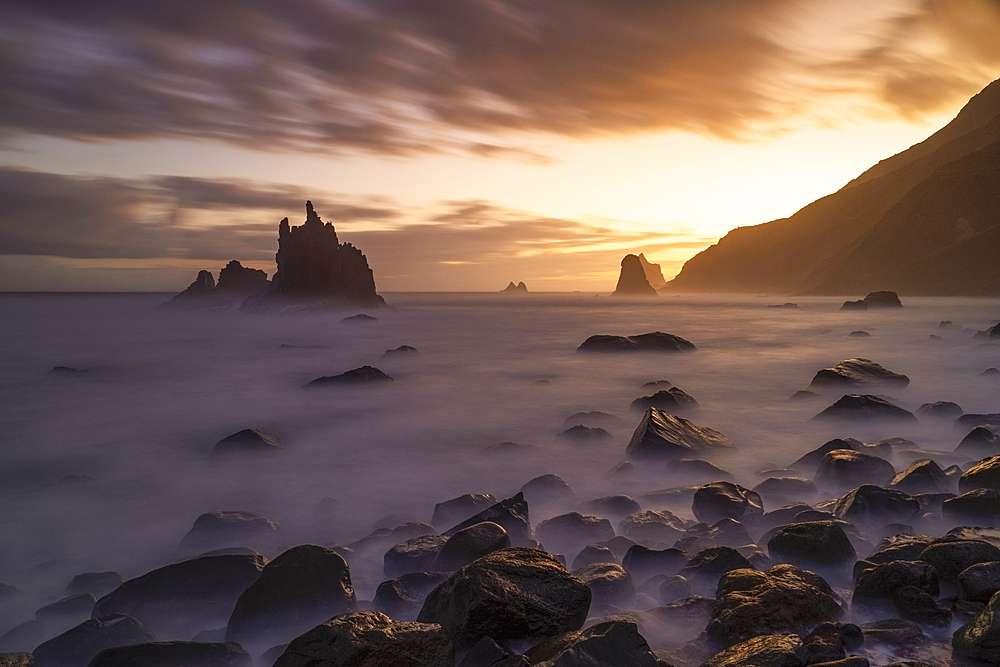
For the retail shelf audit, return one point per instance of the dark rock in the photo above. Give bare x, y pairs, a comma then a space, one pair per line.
652, 528
923, 476
173, 654
619, 544
551, 490
240, 280
971, 420
509, 595
723, 533
884, 299
669, 400
610, 584
831, 641
594, 553
632, 279
707, 567
916, 605
719, 500
296, 591
861, 304
96, 583
485, 653
859, 334
370, 639
458, 509
511, 287
315, 268
979, 582
812, 459
864, 407
179, 600
613, 507
662, 435
872, 504
783, 305
763, 651
802, 395
24, 637
782, 489
893, 633
202, 286
671, 589
511, 513
580, 433
940, 410
656, 341
471, 543
401, 351
903, 548
783, 515
67, 612
78, 646
382, 539
360, 317
982, 475
401, 598
783, 599
990, 372
214, 530
980, 442
949, 557
17, 660
817, 545
858, 372
247, 440
357, 376
611, 643
981, 505
416, 554
594, 418
568, 533
979, 639
696, 470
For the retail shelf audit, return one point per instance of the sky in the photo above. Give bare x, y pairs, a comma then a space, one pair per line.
461, 144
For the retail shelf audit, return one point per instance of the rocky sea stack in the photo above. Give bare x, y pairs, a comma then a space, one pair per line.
236, 283
632, 280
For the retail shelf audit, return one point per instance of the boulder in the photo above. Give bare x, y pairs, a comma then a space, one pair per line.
511, 513
979, 442
17, 660
459, 509
656, 341
982, 475
97, 584
78, 646
720, 500
214, 530
860, 304
924, 476
173, 654
610, 643
876, 586
610, 584
510, 595
652, 528
359, 318
661, 435
180, 600
846, 469
644, 563
594, 553
856, 373
725, 532
359, 376
870, 504
707, 567
548, 490
979, 639
864, 407
815, 545
980, 505
203, 285
779, 490
632, 279
614, 507
401, 598
370, 639
296, 591
248, 440
812, 459
471, 543
950, 556
485, 653
919, 606
940, 410
416, 554
883, 299
783, 599
894, 633
765, 651
568, 533
990, 419
979, 582
581, 433
671, 400
67, 612
830, 642
401, 351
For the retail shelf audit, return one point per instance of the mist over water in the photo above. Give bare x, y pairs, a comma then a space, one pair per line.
160, 387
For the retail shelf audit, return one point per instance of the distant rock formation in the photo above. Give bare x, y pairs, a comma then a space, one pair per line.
632, 279
882, 299
316, 270
236, 283
511, 287
236, 278
653, 273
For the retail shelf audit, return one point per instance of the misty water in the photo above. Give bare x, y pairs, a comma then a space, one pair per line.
159, 388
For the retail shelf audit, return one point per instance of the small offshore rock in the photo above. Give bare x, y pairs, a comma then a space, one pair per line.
357, 376
864, 407
662, 435
940, 410
655, 341
720, 500
248, 440
858, 372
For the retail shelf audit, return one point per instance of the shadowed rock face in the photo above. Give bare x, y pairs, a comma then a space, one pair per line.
313, 265
235, 277
632, 279
662, 435
236, 282
654, 276
856, 372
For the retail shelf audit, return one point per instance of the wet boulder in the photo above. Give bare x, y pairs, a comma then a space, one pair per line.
644, 563
662, 435
950, 557
510, 595
67, 612
815, 545
783, 599
875, 587
829, 641
846, 469
610, 643
979, 582
979, 505
655, 341
17, 660
982, 475
883, 299
511, 513
370, 639
870, 504
940, 410
297, 590
97, 584
720, 500
173, 654
471, 543
651, 528
919, 606
401, 598
594, 553
706, 568
923, 476
723, 533
416, 554
857, 372
864, 408
249, 440
214, 530
614, 507
548, 491
568, 533
980, 442
811, 460
78, 646
979, 639
610, 584
777, 650
180, 600
453, 511
671, 400
779, 490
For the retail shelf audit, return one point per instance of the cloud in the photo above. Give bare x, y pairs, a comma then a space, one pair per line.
179, 221
478, 75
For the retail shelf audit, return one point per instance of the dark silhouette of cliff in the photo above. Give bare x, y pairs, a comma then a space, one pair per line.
316, 270
923, 222
654, 276
511, 287
238, 279
236, 283
632, 279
